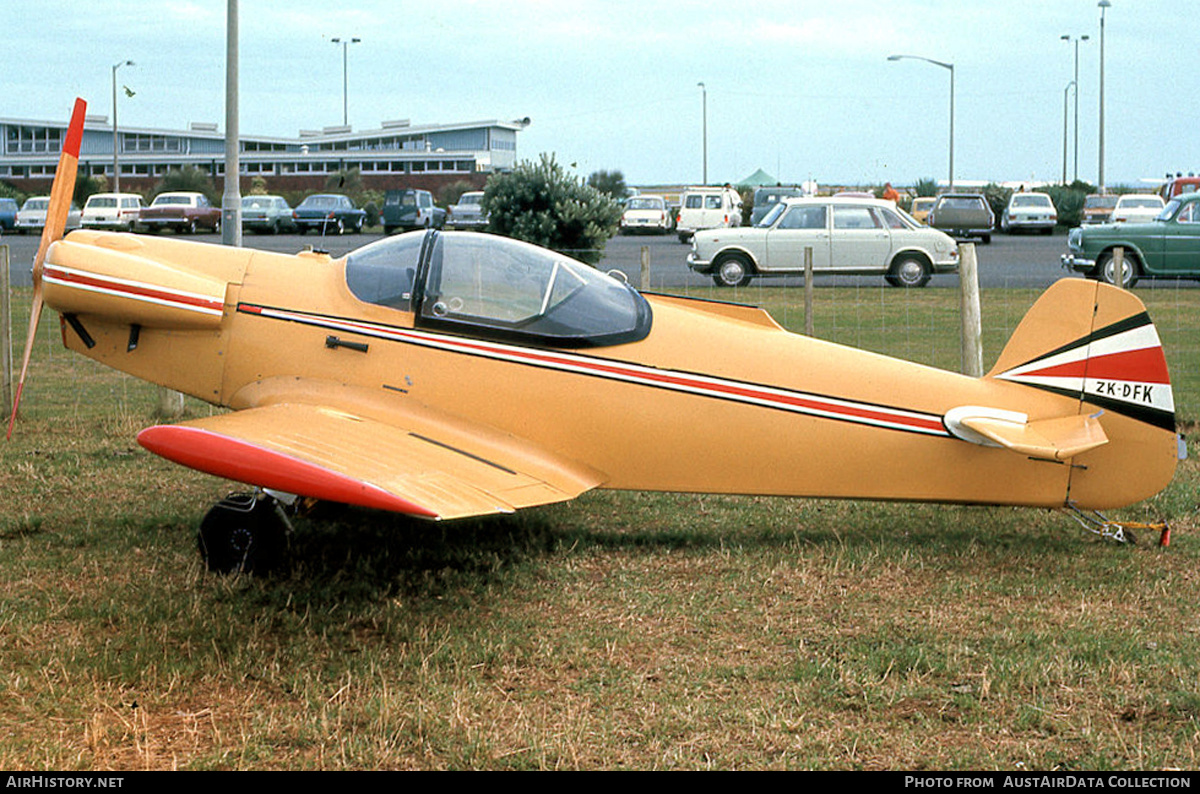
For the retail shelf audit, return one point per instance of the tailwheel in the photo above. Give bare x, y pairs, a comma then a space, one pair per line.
243, 533
1119, 531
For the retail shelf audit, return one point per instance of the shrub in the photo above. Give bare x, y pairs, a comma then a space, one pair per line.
189, 179
541, 204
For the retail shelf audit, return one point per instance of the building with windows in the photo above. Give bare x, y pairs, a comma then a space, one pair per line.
398, 154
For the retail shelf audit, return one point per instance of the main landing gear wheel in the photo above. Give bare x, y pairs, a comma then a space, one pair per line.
243, 533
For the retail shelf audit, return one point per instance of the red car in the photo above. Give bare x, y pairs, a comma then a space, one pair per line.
184, 212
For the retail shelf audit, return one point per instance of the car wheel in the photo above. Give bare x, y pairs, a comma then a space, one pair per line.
340, 227
192, 228
1106, 268
683, 238
986, 239
909, 271
733, 270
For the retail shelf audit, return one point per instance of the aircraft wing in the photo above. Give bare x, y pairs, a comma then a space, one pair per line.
432, 467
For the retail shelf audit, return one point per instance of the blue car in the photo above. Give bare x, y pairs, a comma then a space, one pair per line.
329, 213
8, 214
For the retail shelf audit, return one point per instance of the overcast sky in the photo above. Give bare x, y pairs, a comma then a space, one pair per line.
800, 88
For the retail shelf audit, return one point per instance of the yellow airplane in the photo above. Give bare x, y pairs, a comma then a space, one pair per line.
446, 375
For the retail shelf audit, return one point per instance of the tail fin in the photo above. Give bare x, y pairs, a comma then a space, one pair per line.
1094, 342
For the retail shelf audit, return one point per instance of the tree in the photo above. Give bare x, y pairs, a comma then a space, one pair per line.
541, 204
190, 180
611, 183
926, 187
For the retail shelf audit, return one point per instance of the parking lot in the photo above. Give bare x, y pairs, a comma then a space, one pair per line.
1027, 261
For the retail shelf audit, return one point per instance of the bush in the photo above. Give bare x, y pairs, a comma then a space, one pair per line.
926, 187
611, 183
540, 204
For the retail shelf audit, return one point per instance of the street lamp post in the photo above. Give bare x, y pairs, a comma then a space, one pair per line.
1066, 91
345, 76
704, 128
1075, 39
116, 147
950, 68
1103, 4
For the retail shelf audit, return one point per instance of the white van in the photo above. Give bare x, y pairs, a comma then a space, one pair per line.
112, 211
707, 208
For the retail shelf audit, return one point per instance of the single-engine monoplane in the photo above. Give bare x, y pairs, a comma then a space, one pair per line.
454, 374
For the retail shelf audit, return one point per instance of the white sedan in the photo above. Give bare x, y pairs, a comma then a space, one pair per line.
848, 236
1137, 208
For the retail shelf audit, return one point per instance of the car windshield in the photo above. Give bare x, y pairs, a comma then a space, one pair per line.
771, 216
1169, 210
644, 204
319, 202
102, 203
257, 202
488, 285
1031, 200
960, 203
36, 204
470, 199
1100, 202
1147, 203
169, 199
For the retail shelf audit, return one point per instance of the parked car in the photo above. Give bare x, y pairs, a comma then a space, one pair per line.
32, 215
767, 197
468, 212
1097, 208
266, 214
111, 211
964, 216
921, 205
1166, 247
1137, 207
8, 214
328, 213
1029, 211
646, 213
707, 208
847, 236
411, 209
186, 212
1178, 185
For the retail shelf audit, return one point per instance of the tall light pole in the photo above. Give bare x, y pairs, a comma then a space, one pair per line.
1103, 4
1066, 91
1075, 82
704, 128
950, 68
345, 76
116, 148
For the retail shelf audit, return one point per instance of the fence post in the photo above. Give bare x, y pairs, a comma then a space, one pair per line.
645, 280
6, 327
808, 290
972, 322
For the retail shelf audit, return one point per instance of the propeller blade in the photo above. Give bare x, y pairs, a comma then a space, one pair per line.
56, 224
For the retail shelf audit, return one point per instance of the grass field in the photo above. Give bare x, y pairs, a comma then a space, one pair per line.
619, 631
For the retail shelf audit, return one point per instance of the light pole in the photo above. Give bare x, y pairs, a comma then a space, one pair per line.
116, 148
1075, 39
704, 127
1066, 91
950, 68
1103, 4
345, 78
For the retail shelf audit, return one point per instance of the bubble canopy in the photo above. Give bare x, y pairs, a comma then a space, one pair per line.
486, 285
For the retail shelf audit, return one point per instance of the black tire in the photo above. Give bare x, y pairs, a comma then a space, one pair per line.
192, 228
909, 270
242, 534
986, 239
733, 270
1106, 270
340, 226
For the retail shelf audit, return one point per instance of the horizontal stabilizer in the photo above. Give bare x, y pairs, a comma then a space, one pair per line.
1058, 439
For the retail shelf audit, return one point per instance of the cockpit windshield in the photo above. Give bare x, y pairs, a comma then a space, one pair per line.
483, 284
